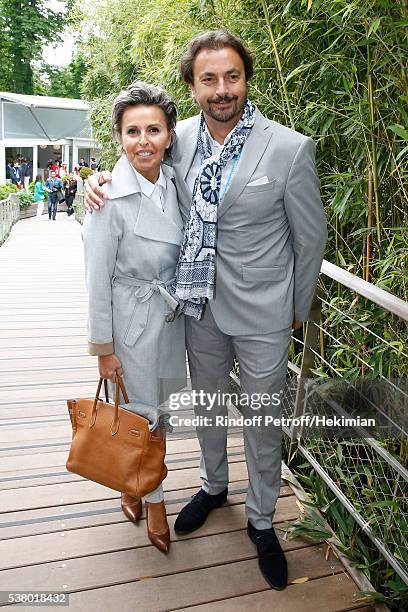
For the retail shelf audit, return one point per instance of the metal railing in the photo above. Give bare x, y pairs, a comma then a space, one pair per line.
354, 347
9, 214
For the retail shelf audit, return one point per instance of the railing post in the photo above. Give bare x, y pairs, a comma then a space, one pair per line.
9, 214
308, 360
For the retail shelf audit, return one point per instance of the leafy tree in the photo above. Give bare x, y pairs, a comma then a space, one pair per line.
63, 82
26, 25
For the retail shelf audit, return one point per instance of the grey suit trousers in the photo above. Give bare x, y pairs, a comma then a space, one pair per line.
263, 363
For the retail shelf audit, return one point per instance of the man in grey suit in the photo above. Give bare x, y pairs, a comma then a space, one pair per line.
254, 241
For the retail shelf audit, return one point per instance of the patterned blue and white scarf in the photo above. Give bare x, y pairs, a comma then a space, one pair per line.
195, 273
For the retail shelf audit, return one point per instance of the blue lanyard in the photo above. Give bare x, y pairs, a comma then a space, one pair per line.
231, 174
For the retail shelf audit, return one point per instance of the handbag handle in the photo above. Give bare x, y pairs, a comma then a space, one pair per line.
119, 384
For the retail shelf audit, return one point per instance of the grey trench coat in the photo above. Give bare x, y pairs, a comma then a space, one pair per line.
131, 252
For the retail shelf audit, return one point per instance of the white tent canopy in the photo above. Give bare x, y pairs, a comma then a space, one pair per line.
31, 121
43, 116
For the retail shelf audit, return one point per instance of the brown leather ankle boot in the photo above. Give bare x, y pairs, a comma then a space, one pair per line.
131, 506
157, 526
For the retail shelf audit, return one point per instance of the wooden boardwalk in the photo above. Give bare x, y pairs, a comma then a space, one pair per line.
59, 532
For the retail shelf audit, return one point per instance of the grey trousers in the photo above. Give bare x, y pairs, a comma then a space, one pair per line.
262, 363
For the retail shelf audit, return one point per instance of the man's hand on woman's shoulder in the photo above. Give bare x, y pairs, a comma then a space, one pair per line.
94, 196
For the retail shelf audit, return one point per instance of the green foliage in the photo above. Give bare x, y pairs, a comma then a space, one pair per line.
65, 81
5, 190
31, 186
25, 27
26, 199
349, 538
85, 172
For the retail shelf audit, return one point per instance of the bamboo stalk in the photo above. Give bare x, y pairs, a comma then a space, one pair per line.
373, 148
367, 274
278, 64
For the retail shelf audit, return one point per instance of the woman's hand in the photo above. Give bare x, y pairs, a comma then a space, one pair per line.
109, 366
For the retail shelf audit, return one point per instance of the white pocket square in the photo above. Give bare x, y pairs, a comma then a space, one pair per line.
261, 181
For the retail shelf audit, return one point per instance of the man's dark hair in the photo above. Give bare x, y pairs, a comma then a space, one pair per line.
214, 39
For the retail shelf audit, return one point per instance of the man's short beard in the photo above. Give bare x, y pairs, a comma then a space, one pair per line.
219, 115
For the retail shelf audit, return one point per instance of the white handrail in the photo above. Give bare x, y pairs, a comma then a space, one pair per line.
9, 214
383, 298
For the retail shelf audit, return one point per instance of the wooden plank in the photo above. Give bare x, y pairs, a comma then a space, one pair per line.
56, 392
206, 584
174, 461
47, 362
42, 302
32, 379
36, 410
104, 512
39, 460
12, 422
59, 474
124, 535
43, 333
327, 594
139, 563
41, 342
86, 490
18, 412
43, 321
57, 432
48, 445
21, 354
37, 328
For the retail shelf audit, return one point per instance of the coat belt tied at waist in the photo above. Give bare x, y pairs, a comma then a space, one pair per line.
145, 290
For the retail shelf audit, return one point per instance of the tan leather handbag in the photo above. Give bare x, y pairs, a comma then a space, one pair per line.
114, 446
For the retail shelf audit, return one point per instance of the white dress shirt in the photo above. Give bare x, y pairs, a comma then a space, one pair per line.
196, 165
154, 191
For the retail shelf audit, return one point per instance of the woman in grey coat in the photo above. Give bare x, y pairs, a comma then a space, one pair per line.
131, 253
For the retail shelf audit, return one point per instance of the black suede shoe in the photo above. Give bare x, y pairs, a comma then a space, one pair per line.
195, 513
271, 559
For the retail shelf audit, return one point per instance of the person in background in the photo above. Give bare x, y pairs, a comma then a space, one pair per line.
56, 167
77, 176
64, 170
83, 163
71, 187
15, 175
54, 188
39, 195
94, 165
25, 173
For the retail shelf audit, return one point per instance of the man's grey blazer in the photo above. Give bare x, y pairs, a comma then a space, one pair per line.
271, 236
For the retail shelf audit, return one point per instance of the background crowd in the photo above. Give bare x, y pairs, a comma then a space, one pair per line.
60, 186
